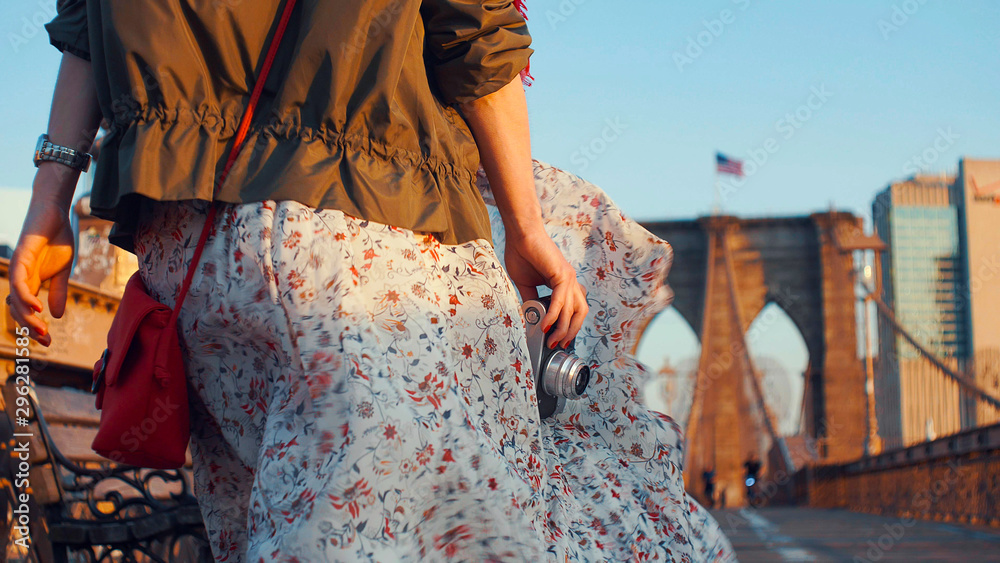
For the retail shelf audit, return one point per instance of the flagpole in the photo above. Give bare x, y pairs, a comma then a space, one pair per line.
716, 197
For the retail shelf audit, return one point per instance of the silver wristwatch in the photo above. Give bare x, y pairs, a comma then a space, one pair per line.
47, 150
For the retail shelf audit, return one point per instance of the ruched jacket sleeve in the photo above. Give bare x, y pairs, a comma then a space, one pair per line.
68, 30
474, 47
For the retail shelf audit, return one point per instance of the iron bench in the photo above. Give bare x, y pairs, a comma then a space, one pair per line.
83, 507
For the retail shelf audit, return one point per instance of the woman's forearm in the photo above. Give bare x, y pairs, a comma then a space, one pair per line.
499, 123
73, 122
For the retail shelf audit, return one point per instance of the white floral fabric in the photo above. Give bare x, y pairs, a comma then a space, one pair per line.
360, 392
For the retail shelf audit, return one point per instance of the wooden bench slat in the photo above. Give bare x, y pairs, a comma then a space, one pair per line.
66, 405
74, 441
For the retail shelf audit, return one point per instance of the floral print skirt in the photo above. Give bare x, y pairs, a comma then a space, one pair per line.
362, 392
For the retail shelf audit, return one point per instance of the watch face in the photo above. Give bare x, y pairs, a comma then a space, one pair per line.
38, 148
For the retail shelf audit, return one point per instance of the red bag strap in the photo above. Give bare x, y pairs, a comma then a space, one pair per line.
237, 145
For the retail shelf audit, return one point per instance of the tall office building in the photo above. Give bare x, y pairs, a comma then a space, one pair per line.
941, 276
921, 276
977, 194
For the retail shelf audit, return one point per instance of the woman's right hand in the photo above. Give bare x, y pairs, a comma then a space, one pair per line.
534, 260
499, 123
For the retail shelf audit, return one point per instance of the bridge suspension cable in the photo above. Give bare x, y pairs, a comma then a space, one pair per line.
857, 240
963, 381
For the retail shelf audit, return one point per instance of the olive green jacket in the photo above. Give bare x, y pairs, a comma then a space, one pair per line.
357, 113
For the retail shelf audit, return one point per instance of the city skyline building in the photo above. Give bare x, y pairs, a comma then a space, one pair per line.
977, 194
938, 272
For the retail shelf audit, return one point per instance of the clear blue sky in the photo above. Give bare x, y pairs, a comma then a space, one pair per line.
669, 83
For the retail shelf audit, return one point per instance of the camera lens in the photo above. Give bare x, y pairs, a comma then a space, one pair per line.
582, 379
565, 375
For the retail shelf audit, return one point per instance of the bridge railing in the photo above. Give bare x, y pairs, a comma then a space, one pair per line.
955, 479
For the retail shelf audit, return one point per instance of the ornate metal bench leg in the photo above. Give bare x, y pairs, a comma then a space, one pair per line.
38, 548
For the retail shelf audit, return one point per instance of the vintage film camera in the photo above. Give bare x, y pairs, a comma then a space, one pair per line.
559, 373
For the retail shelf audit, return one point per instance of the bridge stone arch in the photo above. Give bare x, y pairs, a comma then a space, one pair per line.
726, 269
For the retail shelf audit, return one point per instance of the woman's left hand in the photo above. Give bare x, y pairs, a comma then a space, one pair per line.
45, 248
44, 252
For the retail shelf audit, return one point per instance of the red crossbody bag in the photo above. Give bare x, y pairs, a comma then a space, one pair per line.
140, 380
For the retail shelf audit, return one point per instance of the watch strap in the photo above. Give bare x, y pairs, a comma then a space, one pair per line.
46, 150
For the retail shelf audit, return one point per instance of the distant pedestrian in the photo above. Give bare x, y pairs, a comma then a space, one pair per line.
709, 477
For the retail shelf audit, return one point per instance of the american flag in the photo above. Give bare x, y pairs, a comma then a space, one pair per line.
726, 165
